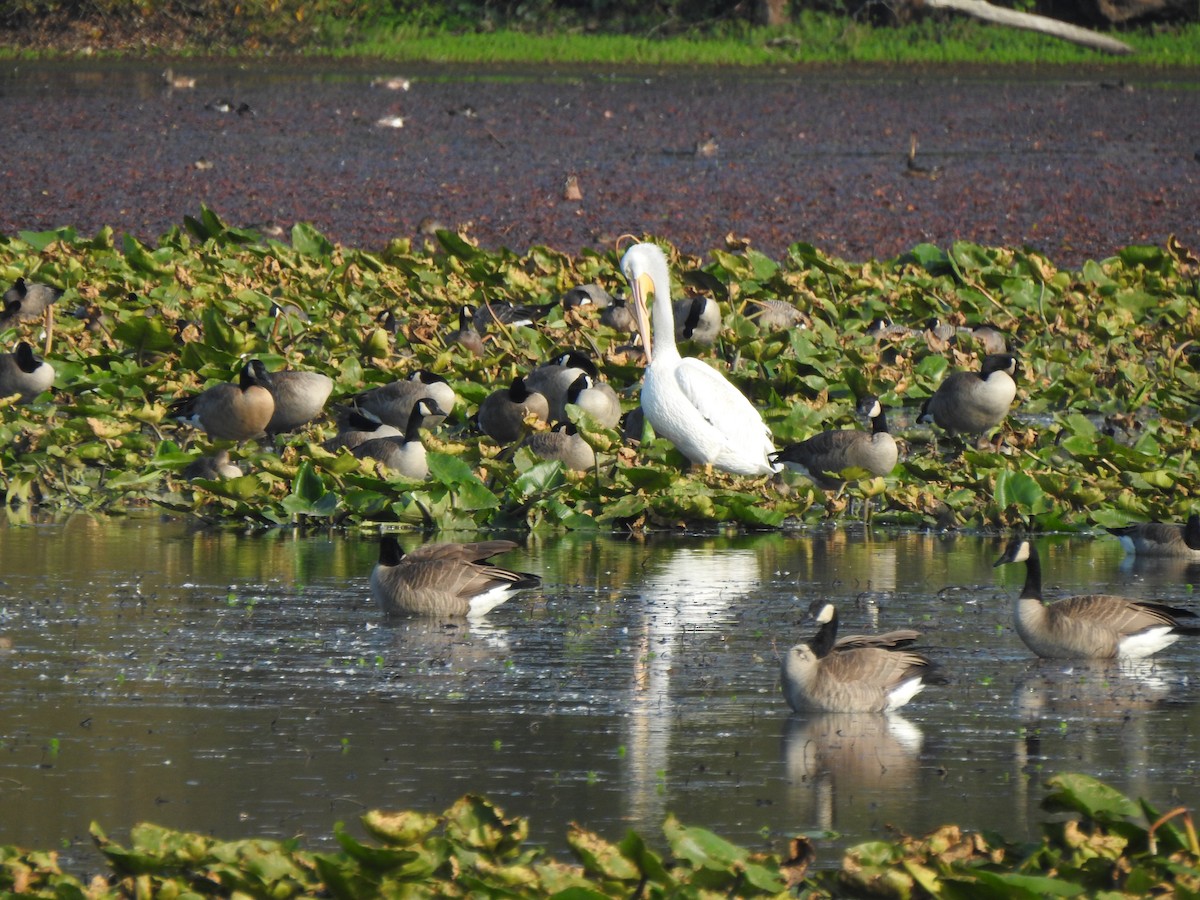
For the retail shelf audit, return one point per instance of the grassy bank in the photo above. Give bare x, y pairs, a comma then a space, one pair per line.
813, 38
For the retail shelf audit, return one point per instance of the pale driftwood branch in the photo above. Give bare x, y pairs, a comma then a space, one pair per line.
1010, 17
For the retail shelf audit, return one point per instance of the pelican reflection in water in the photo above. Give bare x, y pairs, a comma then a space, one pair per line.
685, 598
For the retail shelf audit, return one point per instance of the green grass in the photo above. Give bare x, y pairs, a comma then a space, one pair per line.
814, 39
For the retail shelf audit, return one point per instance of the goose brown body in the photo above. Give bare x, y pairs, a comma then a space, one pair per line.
393, 403
564, 444
234, 412
973, 402
299, 398
1161, 538
444, 579
502, 413
863, 679
857, 673
826, 454
404, 455
1090, 626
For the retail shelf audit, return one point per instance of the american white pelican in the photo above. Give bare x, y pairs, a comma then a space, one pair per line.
687, 401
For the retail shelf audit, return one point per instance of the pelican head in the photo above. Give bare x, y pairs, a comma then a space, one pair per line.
645, 268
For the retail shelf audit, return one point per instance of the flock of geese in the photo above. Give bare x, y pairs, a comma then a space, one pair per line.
713, 425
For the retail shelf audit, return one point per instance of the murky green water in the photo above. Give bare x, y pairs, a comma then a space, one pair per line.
245, 685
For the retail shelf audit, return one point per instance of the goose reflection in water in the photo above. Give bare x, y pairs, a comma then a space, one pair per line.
685, 596
1105, 710
840, 762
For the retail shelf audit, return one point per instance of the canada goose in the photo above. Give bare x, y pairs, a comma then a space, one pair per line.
359, 427
393, 403
299, 398
212, 468
1089, 626
1161, 538
859, 679
834, 451
404, 455
992, 340
553, 379
502, 413
973, 402
510, 314
586, 295
565, 444
618, 316
597, 399
697, 319
775, 315
886, 330
391, 82
444, 579
23, 373
826, 641
466, 335
25, 302
687, 401
178, 82
233, 412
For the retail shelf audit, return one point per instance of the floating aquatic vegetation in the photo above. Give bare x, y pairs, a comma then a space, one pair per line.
1101, 432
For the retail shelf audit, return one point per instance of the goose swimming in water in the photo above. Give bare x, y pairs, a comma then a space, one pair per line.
687, 401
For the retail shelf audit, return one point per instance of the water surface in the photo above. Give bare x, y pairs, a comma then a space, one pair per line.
245, 685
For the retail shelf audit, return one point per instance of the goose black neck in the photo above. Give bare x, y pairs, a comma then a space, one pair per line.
822, 642
578, 386
879, 423
1033, 575
26, 361
416, 418
517, 391
390, 553
695, 310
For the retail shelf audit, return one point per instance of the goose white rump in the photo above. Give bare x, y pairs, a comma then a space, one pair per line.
687, 401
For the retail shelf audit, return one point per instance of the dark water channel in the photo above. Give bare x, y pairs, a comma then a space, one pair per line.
245, 685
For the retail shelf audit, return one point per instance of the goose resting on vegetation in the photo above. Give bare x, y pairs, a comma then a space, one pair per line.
1090, 626
444, 579
825, 455
232, 412
974, 402
21, 372
687, 401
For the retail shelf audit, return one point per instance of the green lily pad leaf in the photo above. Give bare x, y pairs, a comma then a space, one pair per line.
142, 260
307, 241
1023, 887
930, 257
401, 828
457, 246
1072, 792
476, 822
701, 847
1022, 491
469, 492
379, 859
647, 861
40, 240
144, 334
1146, 255
599, 857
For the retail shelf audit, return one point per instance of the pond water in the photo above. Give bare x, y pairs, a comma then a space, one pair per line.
1074, 161
245, 685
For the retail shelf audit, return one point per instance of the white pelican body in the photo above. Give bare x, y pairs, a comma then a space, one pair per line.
687, 401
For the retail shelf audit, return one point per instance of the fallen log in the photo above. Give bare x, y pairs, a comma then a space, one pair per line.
1030, 22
